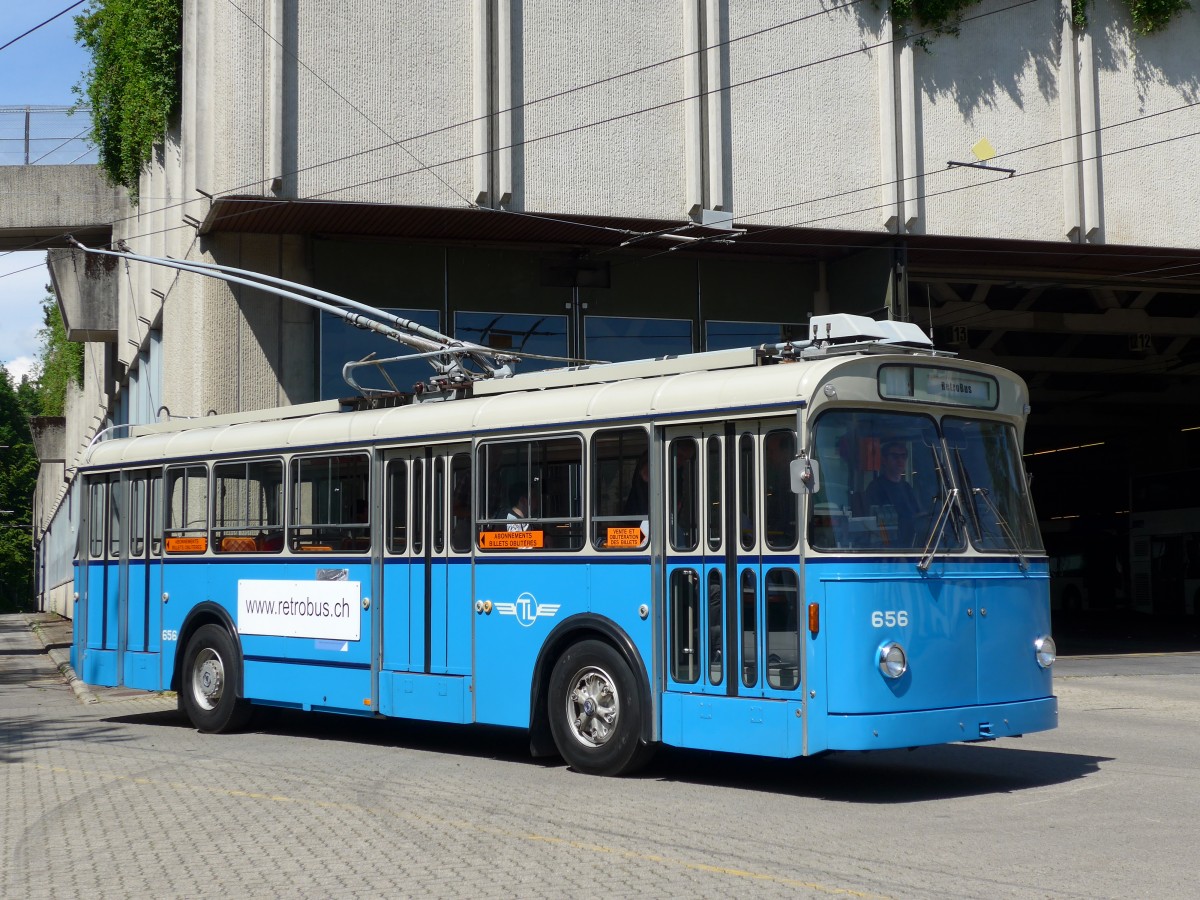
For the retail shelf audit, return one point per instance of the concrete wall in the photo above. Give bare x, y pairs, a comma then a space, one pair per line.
42, 202
824, 116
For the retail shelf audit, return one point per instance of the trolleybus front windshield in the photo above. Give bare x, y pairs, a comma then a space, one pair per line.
885, 478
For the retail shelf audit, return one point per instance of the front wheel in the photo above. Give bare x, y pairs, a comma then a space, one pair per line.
208, 692
595, 711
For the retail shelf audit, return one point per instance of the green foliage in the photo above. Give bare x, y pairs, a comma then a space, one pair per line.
936, 17
18, 478
1079, 13
1150, 16
60, 362
132, 84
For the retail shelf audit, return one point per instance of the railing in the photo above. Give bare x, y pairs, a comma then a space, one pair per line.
45, 136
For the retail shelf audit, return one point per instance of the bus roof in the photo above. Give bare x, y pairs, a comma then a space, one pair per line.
725, 384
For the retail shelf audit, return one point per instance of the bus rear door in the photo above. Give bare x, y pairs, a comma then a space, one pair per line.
426, 612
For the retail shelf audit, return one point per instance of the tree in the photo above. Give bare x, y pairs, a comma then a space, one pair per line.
60, 362
18, 479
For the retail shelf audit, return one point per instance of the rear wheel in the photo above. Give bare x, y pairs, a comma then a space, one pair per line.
595, 711
208, 692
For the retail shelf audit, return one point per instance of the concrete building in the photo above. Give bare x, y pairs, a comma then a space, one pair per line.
627, 179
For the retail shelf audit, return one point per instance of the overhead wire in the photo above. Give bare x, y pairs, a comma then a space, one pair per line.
657, 106
515, 107
800, 67
26, 34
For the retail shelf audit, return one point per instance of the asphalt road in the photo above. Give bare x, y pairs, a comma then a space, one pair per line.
121, 797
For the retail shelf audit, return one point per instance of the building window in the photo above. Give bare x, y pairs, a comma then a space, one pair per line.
721, 335
616, 339
543, 335
341, 343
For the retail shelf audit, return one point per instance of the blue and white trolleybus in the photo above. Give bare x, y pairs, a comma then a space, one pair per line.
779, 551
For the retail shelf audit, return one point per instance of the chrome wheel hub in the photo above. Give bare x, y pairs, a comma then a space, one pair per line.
593, 707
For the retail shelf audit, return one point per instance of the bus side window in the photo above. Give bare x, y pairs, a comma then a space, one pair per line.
156, 514
621, 506
187, 510
530, 494
330, 504
137, 515
248, 507
685, 626
780, 504
116, 510
97, 502
460, 503
746, 490
397, 506
683, 488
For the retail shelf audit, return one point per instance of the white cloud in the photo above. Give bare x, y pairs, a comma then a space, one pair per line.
23, 280
20, 367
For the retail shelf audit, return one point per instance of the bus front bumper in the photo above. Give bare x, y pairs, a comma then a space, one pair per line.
890, 731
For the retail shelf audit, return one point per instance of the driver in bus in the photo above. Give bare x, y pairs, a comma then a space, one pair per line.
891, 498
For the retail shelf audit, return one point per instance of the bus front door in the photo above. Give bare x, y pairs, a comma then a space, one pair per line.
426, 614
733, 673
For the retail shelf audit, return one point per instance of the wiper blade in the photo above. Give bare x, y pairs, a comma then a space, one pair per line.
939, 528
1009, 536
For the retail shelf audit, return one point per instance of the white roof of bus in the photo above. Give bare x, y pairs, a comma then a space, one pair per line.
720, 392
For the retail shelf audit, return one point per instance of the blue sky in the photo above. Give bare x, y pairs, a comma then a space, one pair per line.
38, 70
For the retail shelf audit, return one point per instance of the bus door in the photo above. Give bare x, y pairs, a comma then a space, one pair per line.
141, 606
99, 612
426, 614
695, 568
732, 592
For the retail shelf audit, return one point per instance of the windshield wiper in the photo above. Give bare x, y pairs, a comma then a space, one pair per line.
939, 527
965, 480
1009, 536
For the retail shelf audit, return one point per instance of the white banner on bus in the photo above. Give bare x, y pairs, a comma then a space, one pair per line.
310, 609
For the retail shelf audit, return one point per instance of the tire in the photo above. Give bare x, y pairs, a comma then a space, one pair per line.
210, 680
594, 709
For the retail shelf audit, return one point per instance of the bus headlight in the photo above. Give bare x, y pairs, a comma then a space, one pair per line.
892, 660
1045, 651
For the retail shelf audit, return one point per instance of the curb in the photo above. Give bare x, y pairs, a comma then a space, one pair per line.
62, 659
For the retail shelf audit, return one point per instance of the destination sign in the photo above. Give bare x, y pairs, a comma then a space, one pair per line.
944, 386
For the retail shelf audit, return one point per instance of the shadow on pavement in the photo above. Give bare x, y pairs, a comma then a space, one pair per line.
881, 776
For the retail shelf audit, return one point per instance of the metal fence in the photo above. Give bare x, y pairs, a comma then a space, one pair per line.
45, 136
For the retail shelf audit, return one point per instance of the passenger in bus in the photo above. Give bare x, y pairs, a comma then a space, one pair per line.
891, 498
518, 500
637, 502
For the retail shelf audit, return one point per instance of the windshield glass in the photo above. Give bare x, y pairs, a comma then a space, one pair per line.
882, 484
987, 464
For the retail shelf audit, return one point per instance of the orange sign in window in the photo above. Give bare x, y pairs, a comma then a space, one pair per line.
624, 537
510, 540
187, 544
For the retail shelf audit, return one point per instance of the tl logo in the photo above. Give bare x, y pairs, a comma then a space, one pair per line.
527, 609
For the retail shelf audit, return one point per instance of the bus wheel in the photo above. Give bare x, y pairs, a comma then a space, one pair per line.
595, 711
207, 692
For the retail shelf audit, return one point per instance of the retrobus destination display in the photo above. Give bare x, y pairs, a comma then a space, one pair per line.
926, 384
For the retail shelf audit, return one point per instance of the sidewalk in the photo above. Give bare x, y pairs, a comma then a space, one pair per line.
56, 635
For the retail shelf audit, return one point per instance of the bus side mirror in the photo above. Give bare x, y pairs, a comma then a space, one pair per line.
806, 475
